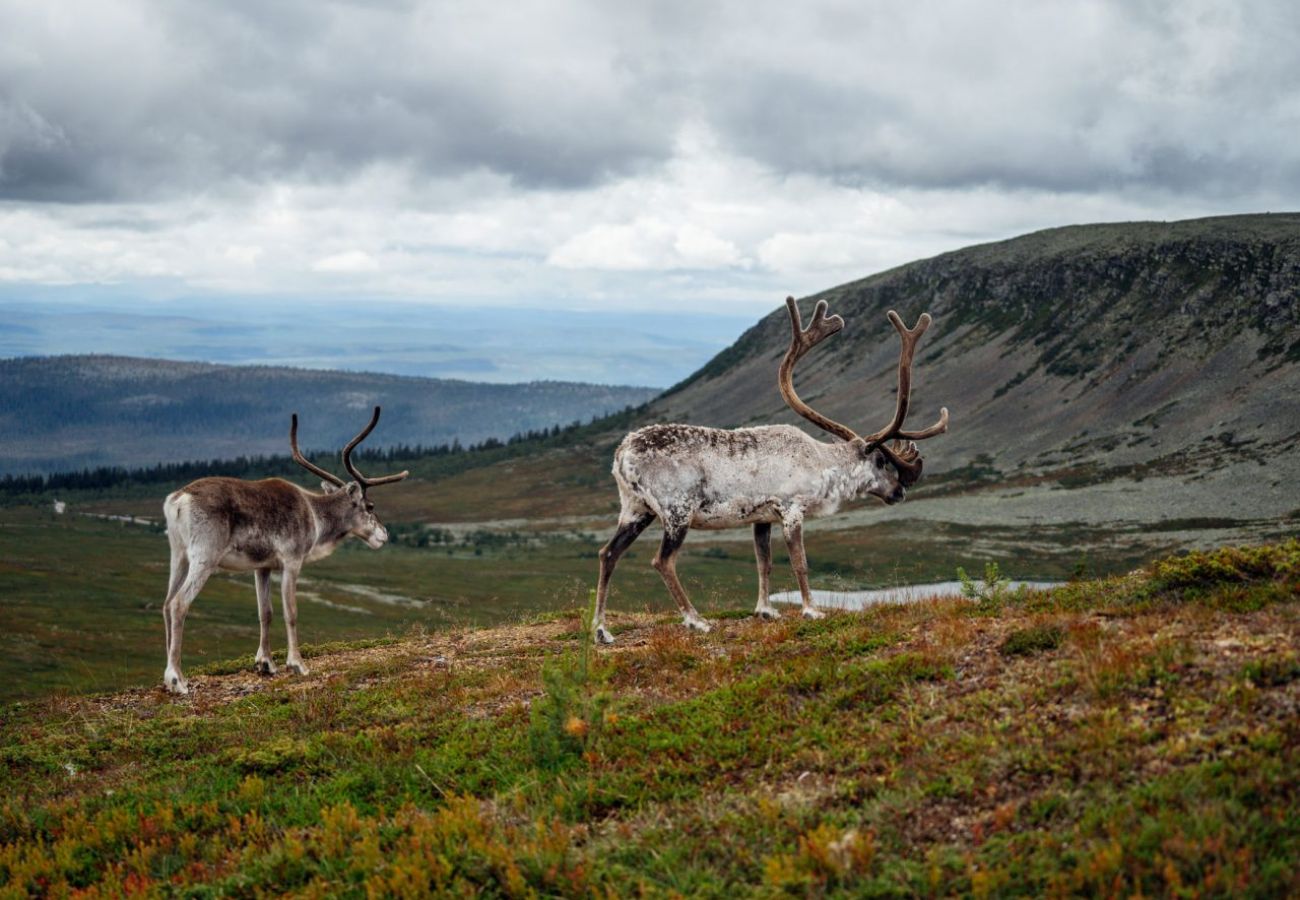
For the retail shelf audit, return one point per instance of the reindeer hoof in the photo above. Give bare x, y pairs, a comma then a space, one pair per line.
297, 667
603, 636
810, 613
701, 625
264, 667
767, 613
175, 683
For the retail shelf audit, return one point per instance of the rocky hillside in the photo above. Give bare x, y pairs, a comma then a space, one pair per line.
65, 412
1167, 353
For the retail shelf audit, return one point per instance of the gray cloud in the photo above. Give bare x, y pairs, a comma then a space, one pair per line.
156, 98
131, 101
1057, 97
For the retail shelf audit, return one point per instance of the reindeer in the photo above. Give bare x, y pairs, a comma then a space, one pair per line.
693, 477
261, 526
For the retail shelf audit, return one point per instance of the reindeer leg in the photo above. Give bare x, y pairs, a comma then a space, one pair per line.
263, 662
763, 556
609, 556
793, 528
175, 610
289, 599
665, 563
179, 567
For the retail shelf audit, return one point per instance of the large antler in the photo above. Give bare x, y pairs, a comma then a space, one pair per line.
302, 460
904, 454
354, 471
801, 341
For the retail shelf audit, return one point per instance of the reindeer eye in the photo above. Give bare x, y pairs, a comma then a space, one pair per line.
880, 459
370, 507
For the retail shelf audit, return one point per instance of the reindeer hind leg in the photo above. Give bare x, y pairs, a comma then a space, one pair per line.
179, 569
179, 605
665, 563
628, 531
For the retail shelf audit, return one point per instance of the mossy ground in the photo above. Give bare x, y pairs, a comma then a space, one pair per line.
1151, 746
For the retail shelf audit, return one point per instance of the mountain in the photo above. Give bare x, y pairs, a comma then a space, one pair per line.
65, 412
1161, 360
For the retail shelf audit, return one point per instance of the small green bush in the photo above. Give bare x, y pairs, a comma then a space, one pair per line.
1201, 571
567, 720
993, 592
1031, 641
1272, 671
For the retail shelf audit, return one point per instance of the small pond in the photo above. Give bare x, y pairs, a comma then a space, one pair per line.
904, 594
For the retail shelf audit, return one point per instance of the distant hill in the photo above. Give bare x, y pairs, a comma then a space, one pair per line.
70, 412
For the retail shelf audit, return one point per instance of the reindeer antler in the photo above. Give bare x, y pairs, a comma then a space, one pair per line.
362, 480
903, 452
303, 461
801, 341
909, 337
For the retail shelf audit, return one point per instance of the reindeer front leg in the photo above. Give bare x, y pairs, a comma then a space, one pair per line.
263, 662
792, 526
763, 556
289, 599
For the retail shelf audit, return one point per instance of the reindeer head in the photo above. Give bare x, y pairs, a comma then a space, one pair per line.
353, 511
894, 466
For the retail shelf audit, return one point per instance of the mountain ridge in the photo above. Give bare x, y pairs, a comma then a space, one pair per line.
92, 410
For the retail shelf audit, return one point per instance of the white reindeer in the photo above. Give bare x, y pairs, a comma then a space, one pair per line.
693, 477
262, 526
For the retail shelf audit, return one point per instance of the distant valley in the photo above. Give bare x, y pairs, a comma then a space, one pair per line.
72, 412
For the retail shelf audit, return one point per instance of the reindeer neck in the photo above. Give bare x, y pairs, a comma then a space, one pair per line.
845, 474
330, 513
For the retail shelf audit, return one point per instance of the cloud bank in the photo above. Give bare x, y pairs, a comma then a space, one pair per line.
589, 154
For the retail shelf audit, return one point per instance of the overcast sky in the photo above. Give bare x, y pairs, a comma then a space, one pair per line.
657, 155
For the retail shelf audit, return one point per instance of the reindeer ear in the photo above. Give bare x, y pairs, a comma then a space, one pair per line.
328, 487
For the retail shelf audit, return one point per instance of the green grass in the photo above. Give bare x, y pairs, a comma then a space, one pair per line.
80, 597
1151, 749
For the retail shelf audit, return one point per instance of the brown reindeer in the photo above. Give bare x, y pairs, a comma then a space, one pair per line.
693, 477
262, 526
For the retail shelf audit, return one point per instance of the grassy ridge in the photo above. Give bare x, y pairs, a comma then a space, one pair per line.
1132, 735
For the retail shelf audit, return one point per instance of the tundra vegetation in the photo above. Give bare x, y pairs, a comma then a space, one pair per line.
1136, 734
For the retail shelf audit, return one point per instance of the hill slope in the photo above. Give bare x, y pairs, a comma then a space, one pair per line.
1139, 382
84, 411
1136, 736
1136, 378
1104, 345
